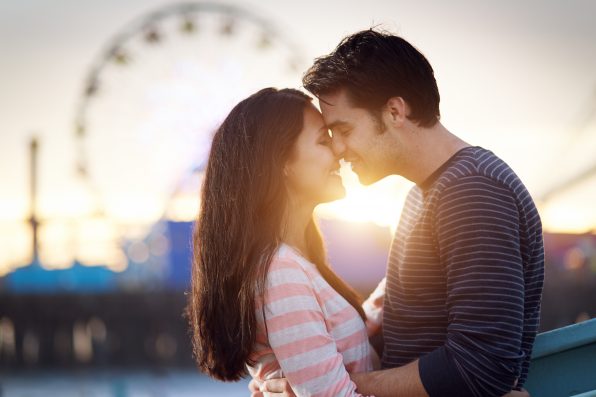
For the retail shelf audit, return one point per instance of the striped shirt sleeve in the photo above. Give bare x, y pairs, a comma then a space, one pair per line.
477, 237
297, 333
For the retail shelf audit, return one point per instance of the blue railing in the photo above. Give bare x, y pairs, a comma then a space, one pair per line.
564, 362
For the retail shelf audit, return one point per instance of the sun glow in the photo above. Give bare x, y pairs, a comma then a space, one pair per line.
561, 217
68, 232
380, 203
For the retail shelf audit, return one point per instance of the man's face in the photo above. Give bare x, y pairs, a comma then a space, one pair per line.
358, 137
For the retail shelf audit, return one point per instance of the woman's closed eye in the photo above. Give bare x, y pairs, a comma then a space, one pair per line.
325, 139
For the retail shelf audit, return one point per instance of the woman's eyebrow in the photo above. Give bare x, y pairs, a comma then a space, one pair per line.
338, 123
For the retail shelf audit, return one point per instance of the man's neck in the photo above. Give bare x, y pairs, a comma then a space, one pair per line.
434, 146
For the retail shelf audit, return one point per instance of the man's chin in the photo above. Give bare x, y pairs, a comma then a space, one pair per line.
366, 179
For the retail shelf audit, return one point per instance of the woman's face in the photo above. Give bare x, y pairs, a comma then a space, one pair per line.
312, 173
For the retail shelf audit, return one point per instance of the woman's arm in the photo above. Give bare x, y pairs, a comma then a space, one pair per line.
373, 307
297, 333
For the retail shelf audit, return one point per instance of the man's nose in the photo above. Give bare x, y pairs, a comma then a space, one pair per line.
338, 146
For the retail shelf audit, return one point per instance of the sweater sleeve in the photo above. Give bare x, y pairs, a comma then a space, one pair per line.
477, 234
297, 333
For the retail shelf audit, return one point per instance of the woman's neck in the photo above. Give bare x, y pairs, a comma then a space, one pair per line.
299, 215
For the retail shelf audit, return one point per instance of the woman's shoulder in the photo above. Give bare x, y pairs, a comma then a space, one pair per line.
288, 257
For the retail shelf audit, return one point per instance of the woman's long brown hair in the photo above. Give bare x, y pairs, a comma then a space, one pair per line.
239, 227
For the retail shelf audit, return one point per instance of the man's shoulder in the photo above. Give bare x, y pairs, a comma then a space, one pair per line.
476, 165
478, 173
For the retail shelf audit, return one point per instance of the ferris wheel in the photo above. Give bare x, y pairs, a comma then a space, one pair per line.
154, 96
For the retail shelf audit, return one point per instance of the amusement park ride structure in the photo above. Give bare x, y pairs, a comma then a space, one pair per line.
150, 102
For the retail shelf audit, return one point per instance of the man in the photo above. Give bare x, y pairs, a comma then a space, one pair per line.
466, 268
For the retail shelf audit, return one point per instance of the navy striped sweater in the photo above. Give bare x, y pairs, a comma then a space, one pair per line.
464, 279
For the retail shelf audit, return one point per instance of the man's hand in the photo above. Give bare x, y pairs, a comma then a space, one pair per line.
272, 388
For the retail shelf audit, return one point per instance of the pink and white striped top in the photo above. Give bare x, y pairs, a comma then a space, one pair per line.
307, 332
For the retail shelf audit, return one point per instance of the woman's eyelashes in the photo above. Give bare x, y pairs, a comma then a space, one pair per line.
342, 131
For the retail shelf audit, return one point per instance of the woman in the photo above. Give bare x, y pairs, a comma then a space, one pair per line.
263, 300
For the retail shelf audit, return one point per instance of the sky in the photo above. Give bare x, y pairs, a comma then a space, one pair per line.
518, 78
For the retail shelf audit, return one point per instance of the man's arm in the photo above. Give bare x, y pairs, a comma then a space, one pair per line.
401, 381
281, 388
478, 240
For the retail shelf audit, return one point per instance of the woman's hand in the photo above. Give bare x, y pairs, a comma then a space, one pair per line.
272, 388
253, 386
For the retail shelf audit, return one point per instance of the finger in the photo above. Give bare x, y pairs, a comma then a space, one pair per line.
276, 385
253, 386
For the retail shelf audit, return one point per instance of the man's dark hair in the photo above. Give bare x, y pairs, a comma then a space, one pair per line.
374, 66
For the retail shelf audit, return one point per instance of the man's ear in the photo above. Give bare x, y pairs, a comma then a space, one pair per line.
397, 110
